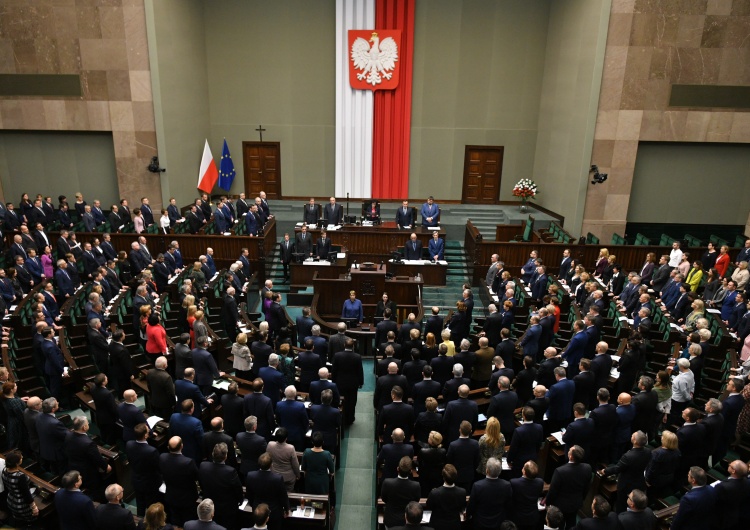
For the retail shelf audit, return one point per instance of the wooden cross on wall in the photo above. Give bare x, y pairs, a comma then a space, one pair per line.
260, 130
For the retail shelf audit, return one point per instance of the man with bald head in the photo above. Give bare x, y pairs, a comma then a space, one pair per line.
625, 415
631, 468
731, 495
601, 365
33, 409
162, 390
216, 436
385, 384
323, 383
180, 474
130, 415
391, 453
503, 406
413, 248
457, 411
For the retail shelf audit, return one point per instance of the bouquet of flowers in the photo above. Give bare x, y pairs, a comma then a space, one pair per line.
525, 189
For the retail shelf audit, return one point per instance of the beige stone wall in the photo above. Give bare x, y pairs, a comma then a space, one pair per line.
104, 41
652, 44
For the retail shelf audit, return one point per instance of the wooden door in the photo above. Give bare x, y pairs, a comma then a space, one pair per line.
262, 163
483, 166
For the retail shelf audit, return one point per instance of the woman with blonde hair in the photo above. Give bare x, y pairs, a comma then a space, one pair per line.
601, 262
491, 444
661, 472
192, 310
182, 322
145, 312
697, 313
243, 360
446, 336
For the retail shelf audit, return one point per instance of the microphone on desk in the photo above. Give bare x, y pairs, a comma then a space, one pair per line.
381, 265
355, 264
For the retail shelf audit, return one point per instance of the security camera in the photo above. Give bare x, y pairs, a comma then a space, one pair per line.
153, 167
598, 178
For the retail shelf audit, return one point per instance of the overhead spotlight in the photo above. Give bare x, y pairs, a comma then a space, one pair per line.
598, 178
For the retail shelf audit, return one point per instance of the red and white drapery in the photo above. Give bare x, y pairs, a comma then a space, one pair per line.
373, 131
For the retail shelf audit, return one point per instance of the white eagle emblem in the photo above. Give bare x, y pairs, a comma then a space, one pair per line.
380, 59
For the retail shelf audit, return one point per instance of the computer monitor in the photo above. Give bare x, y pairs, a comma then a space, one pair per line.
396, 256
299, 257
332, 257
322, 223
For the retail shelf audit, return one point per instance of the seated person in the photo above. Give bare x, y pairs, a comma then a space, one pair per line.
371, 211
405, 216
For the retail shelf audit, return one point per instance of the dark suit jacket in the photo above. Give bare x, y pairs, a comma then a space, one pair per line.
389, 456
413, 249
691, 440
395, 415
267, 487
322, 248
605, 423
645, 411
599, 523
83, 456
209, 441
397, 493
180, 474
190, 430
251, 445
569, 486
405, 219
631, 468
446, 504
502, 406
52, 434
304, 246
464, 454
450, 388
527, 440
526, 493
144, 465
561, 400
113, 517
421, 391
383, 387
75, 510
185, 389
434, 325
335, 215
506, 349
162, 389
231, 411
260, 406
457, 411
580, 432
205, 367
585, 388
382, 328
106, 408
601, 366
221, 483
731, 495
643, 520
317, 387
326, 419
348, 373
490, 502
696, 510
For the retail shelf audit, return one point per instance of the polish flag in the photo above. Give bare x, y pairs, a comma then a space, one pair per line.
208, 174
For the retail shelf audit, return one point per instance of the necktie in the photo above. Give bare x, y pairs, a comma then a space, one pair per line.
414, 246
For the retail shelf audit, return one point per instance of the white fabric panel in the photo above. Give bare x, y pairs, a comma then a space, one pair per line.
354, 108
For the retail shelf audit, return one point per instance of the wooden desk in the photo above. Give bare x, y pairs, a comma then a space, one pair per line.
45, 500
432, 274
302, 273
374, 243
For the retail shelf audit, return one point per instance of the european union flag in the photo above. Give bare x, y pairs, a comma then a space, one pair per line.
226, 168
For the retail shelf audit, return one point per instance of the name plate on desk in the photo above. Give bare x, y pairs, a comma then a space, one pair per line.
313, 262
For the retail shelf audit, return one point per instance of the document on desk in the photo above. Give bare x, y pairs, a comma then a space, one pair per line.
312, 262
426, 514
221, 384
242, 505
558, 436
153, 420
307, 512
506, 466
332, 227
714, 311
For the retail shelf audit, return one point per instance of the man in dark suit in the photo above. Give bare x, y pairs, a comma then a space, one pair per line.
205, 366
697, 506
304, 326
112, 515
730, 496
273, 380
261, 351
398, 492
82, 455
585, 385
303, 242
348, 375
413, 248
52, 434
251, 446
311, 213
492, 326
451, 386
527, 440
458, 411
491, 498
391, 453
317, 387
189, 429
434, 324
396, 414
327, 420
605, 423
162, 389
144, 468
258, 405
530, 340
186, 388
389, 351
447, 502
580, 431
576, 348
560, 400
638, 515
539, 287
323, 246
384, 327
527, 489
286, 251
503, 406
404, 216
180, 474
229, 313
507, 347
333, 213
463, 453
75, 509
631, 468
219, 481
424, 389
384, 385
267, 487
601, 365
570, 485
130, 415
106, 409
216, 436
645, 402
691, 438
730, 409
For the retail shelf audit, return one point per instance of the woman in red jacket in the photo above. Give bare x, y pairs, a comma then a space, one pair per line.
722, 262
156, 338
